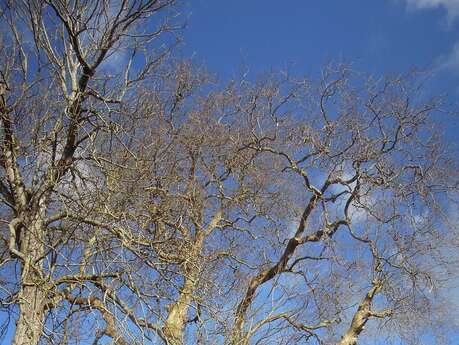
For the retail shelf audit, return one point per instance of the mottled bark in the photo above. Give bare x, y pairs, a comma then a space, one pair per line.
176, 320
29, 325
32, 295
362, 315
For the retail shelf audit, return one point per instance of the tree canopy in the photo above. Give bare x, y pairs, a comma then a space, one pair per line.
144, 202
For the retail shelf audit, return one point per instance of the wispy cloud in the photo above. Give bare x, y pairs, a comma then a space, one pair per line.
449, 61
451, 6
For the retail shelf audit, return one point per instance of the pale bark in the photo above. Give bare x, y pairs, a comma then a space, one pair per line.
32, 296
362, 315
176, 320
29, 325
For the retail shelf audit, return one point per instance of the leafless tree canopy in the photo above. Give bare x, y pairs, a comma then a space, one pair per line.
144, 203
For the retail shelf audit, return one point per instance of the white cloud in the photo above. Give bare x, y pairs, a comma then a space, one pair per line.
451, 6
449, 61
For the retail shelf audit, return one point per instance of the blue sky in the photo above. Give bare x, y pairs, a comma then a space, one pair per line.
377, 36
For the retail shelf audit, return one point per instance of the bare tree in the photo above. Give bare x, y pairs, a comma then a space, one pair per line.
64, 51
372, 174
142, 203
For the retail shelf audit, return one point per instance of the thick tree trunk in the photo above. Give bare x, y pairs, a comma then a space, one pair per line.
29, 326
32, 295
176, 320
175, 323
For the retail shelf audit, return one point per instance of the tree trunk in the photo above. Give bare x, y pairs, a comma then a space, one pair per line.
32, 295
29, 325
176, 320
